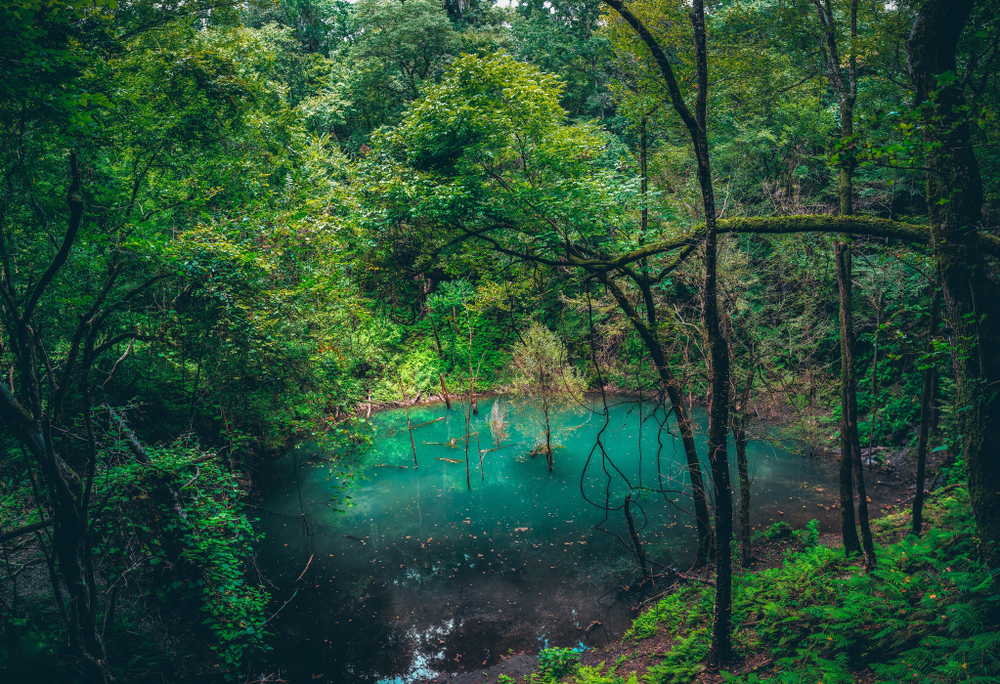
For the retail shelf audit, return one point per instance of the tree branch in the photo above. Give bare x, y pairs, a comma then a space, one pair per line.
27, 529
75, 201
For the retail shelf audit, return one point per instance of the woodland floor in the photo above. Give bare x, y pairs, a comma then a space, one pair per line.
638, 657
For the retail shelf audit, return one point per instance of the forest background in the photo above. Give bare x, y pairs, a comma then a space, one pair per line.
226, 228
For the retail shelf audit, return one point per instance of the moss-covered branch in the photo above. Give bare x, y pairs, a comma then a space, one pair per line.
779, 225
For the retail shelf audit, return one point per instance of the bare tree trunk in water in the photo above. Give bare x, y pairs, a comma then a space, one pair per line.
472, 379
634, 536
466, 415
409, 427
548, 440
926, 401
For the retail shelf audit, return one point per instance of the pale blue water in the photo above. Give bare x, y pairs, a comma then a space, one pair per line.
423, 575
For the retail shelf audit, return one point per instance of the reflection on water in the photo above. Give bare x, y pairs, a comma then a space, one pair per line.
422, 575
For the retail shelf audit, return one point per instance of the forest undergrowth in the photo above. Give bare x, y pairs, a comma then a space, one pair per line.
927, 614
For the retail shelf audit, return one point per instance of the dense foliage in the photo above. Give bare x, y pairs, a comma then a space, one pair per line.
229, 227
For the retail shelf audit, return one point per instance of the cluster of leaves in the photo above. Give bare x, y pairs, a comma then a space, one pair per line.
555, 662
178, 520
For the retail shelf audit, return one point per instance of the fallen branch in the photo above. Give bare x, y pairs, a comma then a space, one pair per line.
759, 666
428, 422
27, 529
308, 563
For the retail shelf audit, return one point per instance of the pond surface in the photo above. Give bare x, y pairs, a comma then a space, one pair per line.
422, 575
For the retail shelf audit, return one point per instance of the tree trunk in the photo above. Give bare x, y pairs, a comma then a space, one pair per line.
740, 442
970, 288
848, 398
926, 401
466, 414
444, 392
472, 379
643, 177
850, 442
846, 94
875, 384
31, 419
718, 422
409, 427
437, 338
634, 536
684, 426
867, 542
548, 440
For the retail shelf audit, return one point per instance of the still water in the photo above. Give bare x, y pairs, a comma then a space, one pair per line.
421, 574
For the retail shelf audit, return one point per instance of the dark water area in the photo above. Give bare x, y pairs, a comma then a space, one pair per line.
422, 575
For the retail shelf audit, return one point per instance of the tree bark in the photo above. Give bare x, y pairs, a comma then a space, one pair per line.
409, 426
849, 438
740, 442
634, 536
718, 422
926, 402
444, 392
741, 420
970, 288
684, 425
848, 418
846, 94
31, 420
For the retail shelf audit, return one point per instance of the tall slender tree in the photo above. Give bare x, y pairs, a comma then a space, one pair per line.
926, 410
846, 92
696, 123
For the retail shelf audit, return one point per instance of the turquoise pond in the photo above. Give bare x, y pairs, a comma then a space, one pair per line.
423, 575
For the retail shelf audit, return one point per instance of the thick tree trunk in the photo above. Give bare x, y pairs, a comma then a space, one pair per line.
850, 439
846, 93
926, 402
970, 287
867, 542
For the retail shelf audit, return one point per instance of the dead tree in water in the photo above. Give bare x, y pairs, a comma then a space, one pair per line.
634, 536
